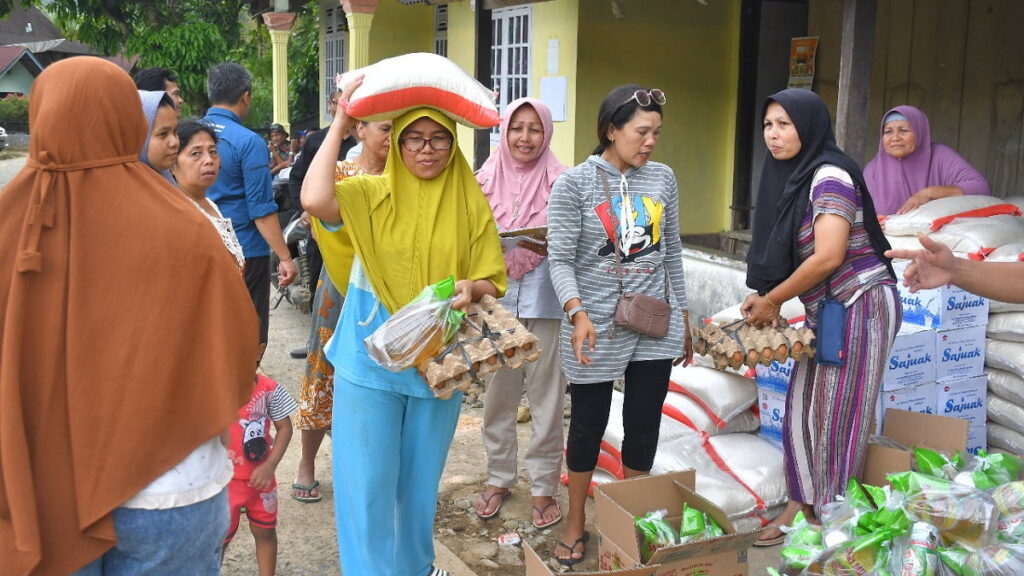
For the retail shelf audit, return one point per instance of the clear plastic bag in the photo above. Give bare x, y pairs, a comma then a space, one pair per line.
963, 515
916, 553
654, 533
996, 560
417, 331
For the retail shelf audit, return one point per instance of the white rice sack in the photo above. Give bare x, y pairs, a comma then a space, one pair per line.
757, 520
980, 235
1002, 437
1017, 201
757, 462
1002, 411
724, 395
692, 412
792, 308
1005, 355
1006, 385
1007, 253
614, 433
997, 307
1006, 326
904, 242
723, 490
924, 218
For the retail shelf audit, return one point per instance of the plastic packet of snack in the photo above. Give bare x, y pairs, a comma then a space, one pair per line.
417, 331
864, 556
1009, 498
987, 471
916, 552
937, 464
654, 533
963, 515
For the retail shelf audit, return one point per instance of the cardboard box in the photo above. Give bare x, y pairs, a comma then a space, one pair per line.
776, 376
535, 566
911, 360
960, 353
911, 429
943, 308
963, 399
772, 406
921, 398
618, 503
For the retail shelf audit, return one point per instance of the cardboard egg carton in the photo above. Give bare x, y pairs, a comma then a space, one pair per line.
740, 344
488, 338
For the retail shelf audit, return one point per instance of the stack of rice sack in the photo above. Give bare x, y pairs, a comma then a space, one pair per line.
960, 515
976, 227
708, 424
1004, 366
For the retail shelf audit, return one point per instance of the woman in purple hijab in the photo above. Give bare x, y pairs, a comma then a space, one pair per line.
910, 170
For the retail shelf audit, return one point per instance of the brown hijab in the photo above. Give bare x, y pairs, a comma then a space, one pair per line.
128, 337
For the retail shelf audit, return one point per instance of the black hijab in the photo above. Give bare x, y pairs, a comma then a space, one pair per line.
785, 189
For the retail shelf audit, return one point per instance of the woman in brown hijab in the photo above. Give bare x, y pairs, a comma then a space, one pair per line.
127, 339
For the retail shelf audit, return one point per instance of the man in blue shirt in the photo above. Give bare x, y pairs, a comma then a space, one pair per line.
243, 190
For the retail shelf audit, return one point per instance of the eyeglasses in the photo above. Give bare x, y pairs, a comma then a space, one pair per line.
645, 97
413, 144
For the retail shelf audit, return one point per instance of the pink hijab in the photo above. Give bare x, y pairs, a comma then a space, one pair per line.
506, 180
891, 181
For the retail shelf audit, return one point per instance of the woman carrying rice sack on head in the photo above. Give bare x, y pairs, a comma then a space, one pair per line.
816, 236
517, 180
421, 221
616, 201
910, 170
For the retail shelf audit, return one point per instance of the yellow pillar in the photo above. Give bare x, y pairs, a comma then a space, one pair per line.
358, 40
280, 25
359, 14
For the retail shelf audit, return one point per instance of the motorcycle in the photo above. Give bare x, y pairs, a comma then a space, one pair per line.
299, 293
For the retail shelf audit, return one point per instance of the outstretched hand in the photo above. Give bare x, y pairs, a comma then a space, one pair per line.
930, 268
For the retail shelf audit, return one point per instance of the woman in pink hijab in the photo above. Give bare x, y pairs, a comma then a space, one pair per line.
910, 170
517, 179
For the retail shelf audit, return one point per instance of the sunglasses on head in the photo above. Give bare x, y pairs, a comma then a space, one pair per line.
645, 97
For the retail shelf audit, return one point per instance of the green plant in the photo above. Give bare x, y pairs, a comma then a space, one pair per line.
14, 108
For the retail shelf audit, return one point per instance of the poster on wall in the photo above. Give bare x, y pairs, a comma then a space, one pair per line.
801, 62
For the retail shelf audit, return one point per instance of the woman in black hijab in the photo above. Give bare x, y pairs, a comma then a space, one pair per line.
816, 235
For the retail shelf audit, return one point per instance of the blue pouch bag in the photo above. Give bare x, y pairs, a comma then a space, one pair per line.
831, 331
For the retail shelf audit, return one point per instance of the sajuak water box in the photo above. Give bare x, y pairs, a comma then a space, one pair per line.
943, 308
911, 360
960, 353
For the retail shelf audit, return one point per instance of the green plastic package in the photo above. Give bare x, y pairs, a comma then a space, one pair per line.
697, 525
963, 515
654, 532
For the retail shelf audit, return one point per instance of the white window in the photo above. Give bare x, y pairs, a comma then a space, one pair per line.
335, 25
510, 55
441, 30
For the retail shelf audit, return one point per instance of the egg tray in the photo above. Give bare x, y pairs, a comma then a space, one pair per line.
488, 338
740, 344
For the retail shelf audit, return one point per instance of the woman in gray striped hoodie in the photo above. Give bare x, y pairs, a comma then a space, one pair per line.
616, 196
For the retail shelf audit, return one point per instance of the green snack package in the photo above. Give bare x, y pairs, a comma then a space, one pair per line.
996, 560
798, 557
692, 526
936, 464
963, 515
654, 532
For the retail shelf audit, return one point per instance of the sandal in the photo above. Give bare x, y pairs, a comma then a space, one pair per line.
435, 571
581, 541
500, 493
308, 490
539, 512
771, 541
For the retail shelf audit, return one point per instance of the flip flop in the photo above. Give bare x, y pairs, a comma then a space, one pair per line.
540, 513
771, 541
307, 499
570, 561
487, 503
435, 571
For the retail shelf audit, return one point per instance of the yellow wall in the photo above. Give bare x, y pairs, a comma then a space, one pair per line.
558, 20
690, 51
461, 50
399, 29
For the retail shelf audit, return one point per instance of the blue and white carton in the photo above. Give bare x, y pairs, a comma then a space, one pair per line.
911, 360
921, 398
943, 308
963, 399
776, 376
771, 404
960, 353
977, 438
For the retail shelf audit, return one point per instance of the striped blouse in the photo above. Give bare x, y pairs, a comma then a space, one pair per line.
833, 192
582, 224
